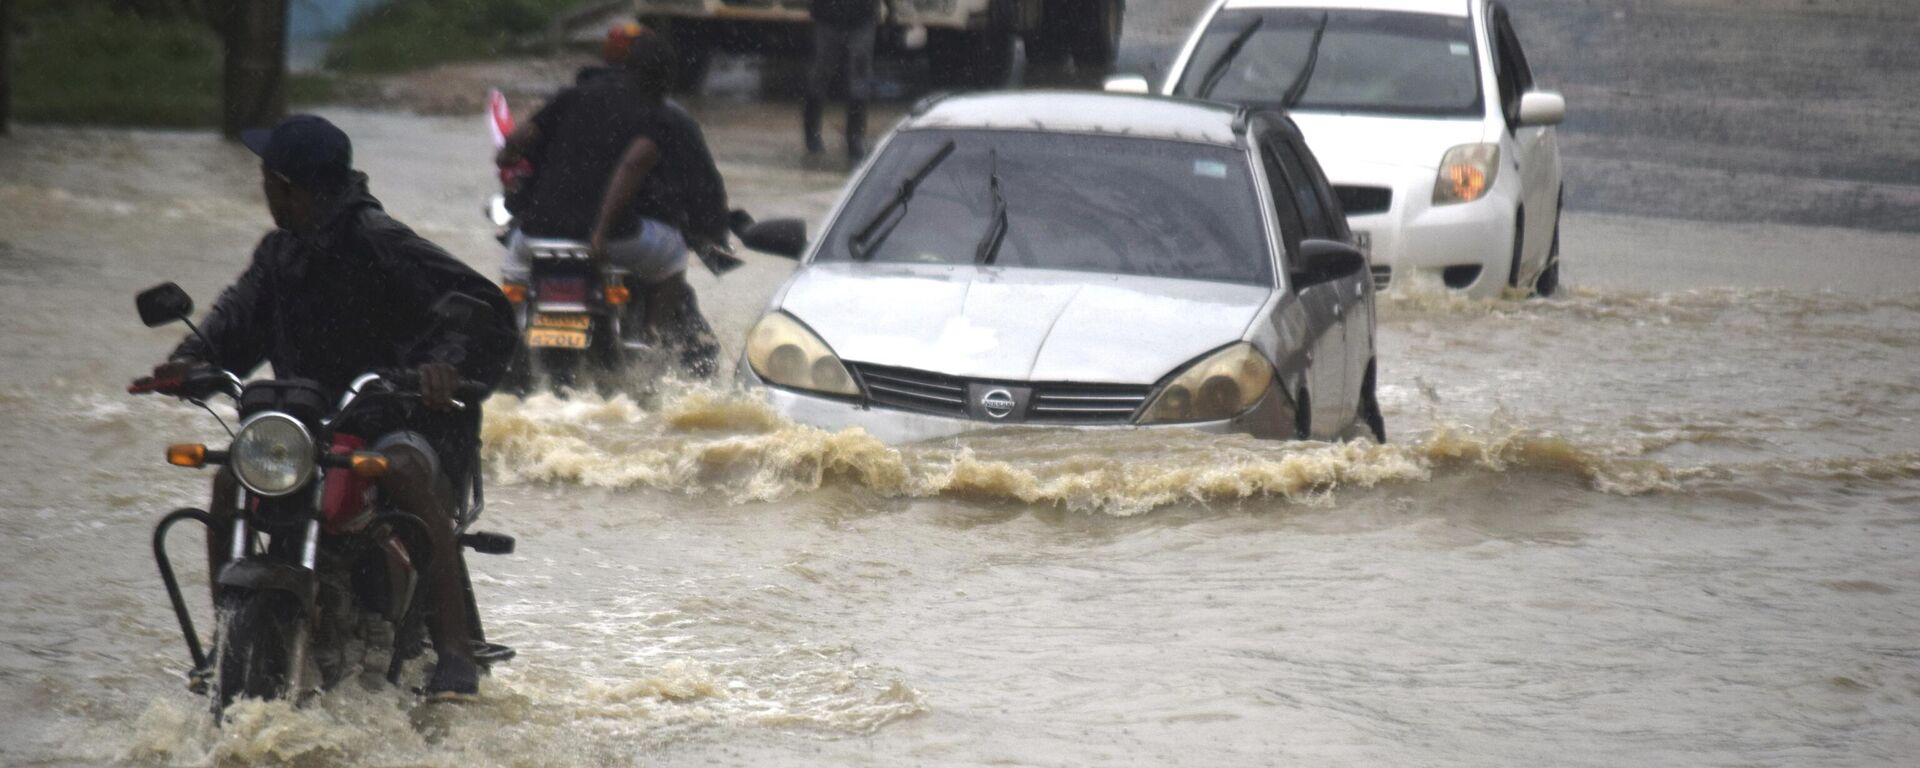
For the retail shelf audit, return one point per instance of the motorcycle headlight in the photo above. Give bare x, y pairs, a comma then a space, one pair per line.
1466, 173
273, 455
784, 352
1219, 386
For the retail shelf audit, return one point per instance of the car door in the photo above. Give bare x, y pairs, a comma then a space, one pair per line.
1326, 346
1532, 146
1355, 290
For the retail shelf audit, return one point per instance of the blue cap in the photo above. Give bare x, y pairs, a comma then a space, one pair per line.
304, 149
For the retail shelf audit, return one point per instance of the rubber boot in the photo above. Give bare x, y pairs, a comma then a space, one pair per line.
856, 131
810, 126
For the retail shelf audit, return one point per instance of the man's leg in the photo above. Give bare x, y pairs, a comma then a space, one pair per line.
859, 53
826, 43
409, 483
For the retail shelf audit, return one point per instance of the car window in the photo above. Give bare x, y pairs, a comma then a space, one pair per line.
1315, 214
1323, 189
1510, 65
1292, 226
1114, 204
1368, 61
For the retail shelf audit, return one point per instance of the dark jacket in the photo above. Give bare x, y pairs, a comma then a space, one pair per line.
355, 296
845, 13
584, 131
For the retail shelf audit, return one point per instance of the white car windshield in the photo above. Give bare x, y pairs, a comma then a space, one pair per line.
1132, 206
1366, 61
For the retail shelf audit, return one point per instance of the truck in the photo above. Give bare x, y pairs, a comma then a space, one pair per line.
968, 44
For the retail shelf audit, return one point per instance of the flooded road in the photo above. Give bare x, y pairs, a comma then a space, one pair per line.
1668, 519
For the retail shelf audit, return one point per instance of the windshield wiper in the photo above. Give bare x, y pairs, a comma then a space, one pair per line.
871, 235
1298, 87
1219, 67
989, 248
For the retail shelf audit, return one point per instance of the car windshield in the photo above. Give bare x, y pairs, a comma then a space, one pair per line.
1368, 61
1120, 205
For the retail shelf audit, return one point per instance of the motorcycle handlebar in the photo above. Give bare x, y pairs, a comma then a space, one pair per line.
405, 380
196, 384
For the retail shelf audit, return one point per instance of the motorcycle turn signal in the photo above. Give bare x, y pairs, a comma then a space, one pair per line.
368, 464
194, 455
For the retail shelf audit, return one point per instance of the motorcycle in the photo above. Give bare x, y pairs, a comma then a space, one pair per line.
576, 321
324, 573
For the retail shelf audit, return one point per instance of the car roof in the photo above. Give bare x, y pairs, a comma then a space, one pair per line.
1114, 114
1441, 7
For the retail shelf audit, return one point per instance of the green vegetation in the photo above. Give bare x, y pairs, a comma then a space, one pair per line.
127, 62
94, 66
411, 34
158, 62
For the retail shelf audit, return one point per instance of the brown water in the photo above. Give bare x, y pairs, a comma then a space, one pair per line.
1668, 519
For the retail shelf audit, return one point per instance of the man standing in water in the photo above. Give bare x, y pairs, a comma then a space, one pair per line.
340, 289
843, 36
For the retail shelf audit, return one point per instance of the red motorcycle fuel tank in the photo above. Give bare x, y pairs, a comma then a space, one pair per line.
348, 496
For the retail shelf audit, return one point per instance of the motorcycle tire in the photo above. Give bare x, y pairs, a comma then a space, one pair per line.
256, 643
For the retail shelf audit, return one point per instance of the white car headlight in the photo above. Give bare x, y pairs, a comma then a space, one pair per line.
273, 455
1220, 386
784, 352
1466, 173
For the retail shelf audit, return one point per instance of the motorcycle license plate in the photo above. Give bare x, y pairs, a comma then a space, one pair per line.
569, 322
556, 338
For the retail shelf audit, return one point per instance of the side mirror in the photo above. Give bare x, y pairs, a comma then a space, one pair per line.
1128, 84
1324, 261
458, 311
775, 237
1542, 108
162, 304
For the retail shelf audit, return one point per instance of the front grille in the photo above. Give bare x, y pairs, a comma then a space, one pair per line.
1086, 403
910, 390
1382, 276
938, 394
1358, 201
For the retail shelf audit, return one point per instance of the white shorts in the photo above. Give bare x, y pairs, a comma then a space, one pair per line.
653, 254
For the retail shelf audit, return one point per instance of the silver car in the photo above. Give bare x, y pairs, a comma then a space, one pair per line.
1075, 260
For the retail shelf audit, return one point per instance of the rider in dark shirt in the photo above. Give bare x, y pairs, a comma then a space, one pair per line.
340, 289
620, 167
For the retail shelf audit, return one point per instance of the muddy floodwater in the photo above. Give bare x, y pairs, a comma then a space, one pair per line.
1671, 518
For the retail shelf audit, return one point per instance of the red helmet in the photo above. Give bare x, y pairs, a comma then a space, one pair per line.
620, 39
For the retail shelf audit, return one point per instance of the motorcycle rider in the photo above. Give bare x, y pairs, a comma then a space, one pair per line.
619, 166
338, 289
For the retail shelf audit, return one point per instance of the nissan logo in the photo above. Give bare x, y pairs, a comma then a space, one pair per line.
997, 403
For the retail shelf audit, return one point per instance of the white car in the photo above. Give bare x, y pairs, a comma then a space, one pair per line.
1075, 260
1424, 115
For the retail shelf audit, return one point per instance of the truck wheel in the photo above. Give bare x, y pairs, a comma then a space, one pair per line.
694, 51
970, 59
1097, 38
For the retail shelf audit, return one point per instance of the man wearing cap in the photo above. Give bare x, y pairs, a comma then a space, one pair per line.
339, 289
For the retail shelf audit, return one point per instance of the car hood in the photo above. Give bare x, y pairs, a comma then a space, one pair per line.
1016, 324
1341, 141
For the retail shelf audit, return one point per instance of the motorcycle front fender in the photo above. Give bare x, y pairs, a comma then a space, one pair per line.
255, 574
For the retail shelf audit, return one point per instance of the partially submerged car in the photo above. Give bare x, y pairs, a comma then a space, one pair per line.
1426, 117
1082, 260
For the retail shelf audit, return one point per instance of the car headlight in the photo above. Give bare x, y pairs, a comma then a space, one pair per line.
1219, 386
1466, 173
273, 455
784, 352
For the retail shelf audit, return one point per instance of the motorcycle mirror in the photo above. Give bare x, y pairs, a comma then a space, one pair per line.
162, 304
776, 237
459, 310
